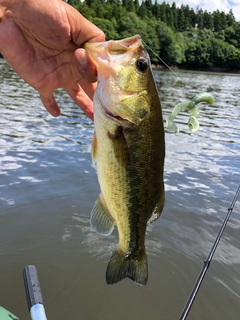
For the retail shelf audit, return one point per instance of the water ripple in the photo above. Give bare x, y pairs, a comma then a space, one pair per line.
45, 170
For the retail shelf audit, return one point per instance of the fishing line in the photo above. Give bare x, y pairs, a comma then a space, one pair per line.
144, 43
208, 261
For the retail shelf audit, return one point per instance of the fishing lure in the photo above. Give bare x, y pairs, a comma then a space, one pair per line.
191, 106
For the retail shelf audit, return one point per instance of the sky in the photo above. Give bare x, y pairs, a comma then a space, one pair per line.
210, 5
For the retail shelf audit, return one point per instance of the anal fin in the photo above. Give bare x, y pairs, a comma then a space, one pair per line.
101, 219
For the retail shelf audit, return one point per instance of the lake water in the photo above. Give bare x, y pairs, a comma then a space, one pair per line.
48, 187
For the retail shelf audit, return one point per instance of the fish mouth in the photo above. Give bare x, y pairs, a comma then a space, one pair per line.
113, 46
125, 44
102, 53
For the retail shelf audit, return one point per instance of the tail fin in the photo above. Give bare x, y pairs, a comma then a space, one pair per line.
121, 266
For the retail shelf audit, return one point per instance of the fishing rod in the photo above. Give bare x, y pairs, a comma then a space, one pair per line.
208, 261
166, 65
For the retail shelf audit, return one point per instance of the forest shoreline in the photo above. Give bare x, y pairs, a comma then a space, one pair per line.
175, 68
205, 69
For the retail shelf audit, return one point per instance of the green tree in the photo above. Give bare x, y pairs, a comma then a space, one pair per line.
177, 50
230, 19
148, 4
237, 34
142, 11
115, 10
170, 16
207, 20
131, 24
181, 21
156, 10
234, 59
107, 26
190, 54
165, 40
136, 4
188, 17
230, 36
223, 20
199, 19
219, 20
85, 10
190, 37
175, 15
202, 56
181, 36
129, 5
219, 52
163, 14
192, 18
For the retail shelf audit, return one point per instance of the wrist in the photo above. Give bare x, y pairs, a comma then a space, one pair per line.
11, 5
3, 7
7, 10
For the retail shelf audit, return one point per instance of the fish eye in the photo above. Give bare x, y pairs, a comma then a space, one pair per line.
142, 65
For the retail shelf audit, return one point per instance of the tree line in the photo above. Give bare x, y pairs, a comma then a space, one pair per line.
181, 36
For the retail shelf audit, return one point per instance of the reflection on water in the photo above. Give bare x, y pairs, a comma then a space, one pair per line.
98, 245
48, 187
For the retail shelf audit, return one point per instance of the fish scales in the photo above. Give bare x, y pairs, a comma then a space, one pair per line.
128, 149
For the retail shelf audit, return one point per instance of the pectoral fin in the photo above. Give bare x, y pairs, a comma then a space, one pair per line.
134, 108
101, 219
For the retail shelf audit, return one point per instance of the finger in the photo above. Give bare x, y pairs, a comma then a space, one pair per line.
80, 97
50, 104
85, 66
88, 87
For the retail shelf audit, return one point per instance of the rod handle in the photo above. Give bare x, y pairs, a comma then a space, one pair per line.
32, 286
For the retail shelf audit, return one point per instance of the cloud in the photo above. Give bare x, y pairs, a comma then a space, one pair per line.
211, 5
236, 12
221, 5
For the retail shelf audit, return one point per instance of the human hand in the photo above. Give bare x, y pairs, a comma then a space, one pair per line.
41, 40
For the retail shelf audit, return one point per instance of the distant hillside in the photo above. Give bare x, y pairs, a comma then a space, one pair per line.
181, 36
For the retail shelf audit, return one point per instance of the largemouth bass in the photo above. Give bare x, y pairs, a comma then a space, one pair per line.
128, 149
